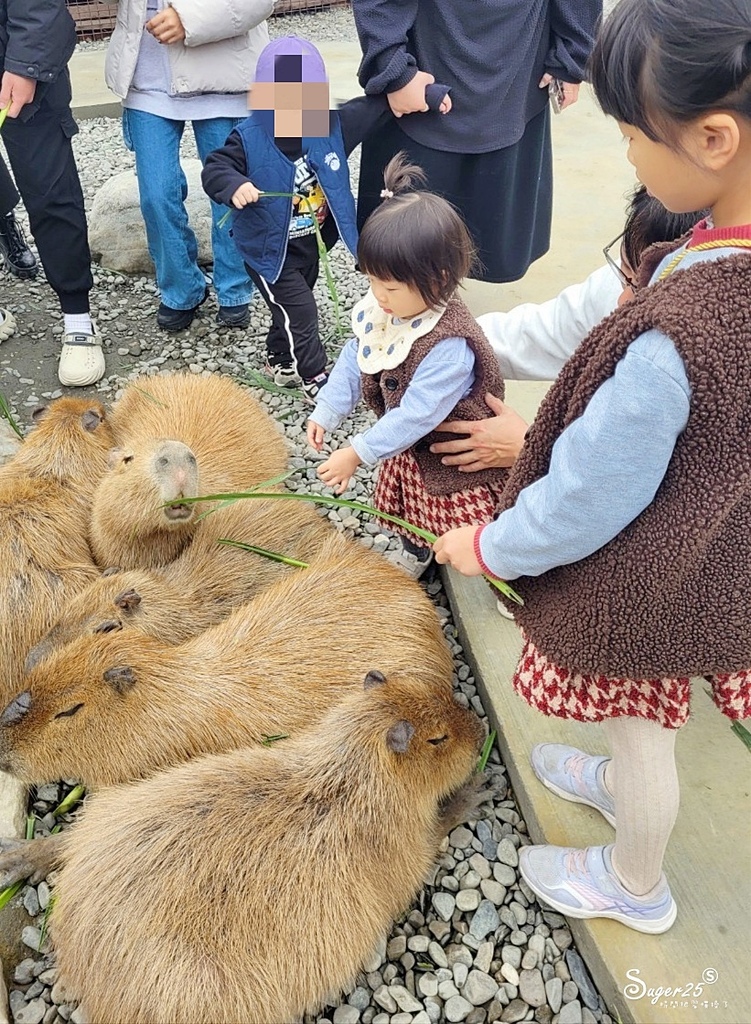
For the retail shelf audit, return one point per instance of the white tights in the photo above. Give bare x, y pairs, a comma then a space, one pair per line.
643, 780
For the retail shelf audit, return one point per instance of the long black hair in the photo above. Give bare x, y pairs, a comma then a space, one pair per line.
658, 64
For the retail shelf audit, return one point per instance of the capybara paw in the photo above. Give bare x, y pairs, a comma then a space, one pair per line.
464, 804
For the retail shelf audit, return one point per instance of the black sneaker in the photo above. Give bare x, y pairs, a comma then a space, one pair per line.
178, 319
18, 257
234, 316
312, 386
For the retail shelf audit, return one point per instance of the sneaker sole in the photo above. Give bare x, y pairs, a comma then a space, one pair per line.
648, 927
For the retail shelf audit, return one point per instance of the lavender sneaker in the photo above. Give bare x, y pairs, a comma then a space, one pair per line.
575, 776
583, 884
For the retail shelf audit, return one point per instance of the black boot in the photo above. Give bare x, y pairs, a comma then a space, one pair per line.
19, 259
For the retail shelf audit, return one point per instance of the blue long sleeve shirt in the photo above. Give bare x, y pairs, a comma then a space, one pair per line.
444, 376
606, 466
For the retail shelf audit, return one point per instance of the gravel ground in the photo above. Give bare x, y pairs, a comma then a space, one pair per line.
476, 946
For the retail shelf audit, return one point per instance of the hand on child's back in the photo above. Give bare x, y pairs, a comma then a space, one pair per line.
247, 193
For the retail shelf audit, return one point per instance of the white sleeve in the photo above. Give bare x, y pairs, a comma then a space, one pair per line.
223, 19
533, 340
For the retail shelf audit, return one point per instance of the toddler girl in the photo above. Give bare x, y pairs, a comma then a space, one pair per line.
627, 522
418, 357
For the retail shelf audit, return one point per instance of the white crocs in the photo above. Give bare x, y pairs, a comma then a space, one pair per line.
408, 562
7, 324
81, 360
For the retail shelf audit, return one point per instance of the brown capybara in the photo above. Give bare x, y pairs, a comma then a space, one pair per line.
205, 582
118, 705
45, 495
191, 918
227, 443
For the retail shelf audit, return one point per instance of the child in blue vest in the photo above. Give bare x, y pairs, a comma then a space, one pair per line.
293, 143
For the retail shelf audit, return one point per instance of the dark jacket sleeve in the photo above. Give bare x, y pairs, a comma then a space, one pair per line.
40, 36
225, 170
361, 116
572, 32
382, 28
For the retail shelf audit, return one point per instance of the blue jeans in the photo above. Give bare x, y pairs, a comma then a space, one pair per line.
162, 187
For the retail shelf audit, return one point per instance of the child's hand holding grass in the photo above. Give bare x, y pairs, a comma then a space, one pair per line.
247, 193
457, 549
338, 469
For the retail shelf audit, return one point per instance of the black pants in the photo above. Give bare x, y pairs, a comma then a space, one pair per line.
8, 193
293, 338
41, 157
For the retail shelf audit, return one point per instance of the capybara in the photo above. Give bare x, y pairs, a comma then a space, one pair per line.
208, 579
229, 443
250, 885
45, 495
115, 706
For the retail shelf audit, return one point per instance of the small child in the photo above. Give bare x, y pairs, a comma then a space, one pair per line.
293, 143
418, 357
626, 523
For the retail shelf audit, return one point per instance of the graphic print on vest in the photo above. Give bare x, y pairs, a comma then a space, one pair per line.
306, 185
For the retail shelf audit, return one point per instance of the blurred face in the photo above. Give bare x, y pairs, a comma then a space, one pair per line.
677, 178
300, 108
397, 299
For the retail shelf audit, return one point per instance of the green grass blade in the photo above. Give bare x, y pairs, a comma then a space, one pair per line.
4, 114
45, 922
485, 752
12, 890
266, 741
259, 380
275, 556
332, 502
8, 415
151, 398
70, 801
742, 733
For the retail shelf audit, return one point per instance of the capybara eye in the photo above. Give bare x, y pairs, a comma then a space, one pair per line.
110, 626
162, 461
436, 741
70, 712
127, 459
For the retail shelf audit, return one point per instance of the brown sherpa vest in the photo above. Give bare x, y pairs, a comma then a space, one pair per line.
671, 594
385, 390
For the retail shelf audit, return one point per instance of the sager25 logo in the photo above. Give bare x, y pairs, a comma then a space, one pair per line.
638, 989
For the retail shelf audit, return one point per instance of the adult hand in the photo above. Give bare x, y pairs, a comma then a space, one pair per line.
247, 193
166, 26
487, 444
570, 90
16, 90
338, 468
410, 99
457, 549
316, 434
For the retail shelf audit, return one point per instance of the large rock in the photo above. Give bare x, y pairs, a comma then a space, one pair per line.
117, 236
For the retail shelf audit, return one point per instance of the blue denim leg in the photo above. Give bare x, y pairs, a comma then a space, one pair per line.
162, 188
232, 285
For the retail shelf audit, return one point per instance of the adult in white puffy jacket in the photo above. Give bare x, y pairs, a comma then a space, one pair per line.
533, 340
188, 60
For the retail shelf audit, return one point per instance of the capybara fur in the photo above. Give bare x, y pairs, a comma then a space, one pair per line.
118, 705
205, 582
138, 518
45, 495
250, 885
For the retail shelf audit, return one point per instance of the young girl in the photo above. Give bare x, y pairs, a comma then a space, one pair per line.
627, 522
417, 358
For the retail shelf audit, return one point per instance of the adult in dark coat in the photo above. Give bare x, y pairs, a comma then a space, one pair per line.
37, 39
491, 155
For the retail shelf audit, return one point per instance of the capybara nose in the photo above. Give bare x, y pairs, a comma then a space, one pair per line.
17, 708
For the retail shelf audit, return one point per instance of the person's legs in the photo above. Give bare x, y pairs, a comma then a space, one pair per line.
17, 256
643, 779
293, 339
9, 197
231, 282
162, 189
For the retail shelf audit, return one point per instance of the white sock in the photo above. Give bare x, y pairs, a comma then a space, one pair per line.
644, 783
77, 323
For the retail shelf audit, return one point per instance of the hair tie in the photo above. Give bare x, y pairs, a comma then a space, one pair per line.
386, 193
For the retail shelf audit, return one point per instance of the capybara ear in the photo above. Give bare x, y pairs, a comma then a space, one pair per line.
373, 678
399, 735
17, 708
128, 600
108, 626
38, 412
121, 678
91, 419
118, 456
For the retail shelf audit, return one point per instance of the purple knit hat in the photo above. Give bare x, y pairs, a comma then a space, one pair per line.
290, 59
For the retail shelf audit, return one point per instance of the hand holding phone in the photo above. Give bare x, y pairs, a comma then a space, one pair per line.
557, 95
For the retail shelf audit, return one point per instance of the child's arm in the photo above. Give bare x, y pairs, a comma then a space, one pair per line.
225, 173
442, 378
222, 19
605, 469
363, 115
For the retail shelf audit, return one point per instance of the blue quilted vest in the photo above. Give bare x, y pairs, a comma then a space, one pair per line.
261, 229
